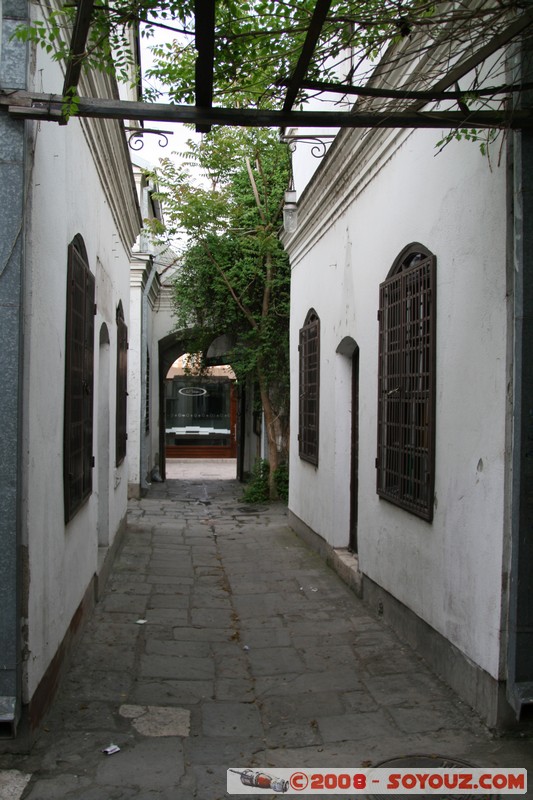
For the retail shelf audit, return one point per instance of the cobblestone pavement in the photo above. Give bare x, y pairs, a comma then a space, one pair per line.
223, 641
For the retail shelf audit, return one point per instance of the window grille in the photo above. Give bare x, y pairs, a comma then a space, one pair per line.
79, 364
309, 351
122, 386
406, 383
147, 398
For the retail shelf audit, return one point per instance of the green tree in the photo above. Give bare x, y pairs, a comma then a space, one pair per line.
227, 200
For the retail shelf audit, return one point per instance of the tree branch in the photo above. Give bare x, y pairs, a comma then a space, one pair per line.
268, 285
255, 191
247, 313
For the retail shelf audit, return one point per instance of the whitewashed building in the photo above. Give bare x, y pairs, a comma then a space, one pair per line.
69, 219
410, 331
151, 315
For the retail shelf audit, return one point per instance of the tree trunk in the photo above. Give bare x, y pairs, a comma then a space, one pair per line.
273, 430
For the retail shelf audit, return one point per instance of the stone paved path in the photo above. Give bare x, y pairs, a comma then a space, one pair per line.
223, 641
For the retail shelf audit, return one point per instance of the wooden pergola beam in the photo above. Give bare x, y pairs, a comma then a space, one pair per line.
203, 115
80, 32
313, 34
48, 107
407, 94
440, 91
204, 12
515, 29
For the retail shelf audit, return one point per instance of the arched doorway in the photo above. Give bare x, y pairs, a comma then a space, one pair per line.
200, 411
171, 347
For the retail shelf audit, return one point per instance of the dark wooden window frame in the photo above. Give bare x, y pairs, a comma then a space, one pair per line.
122, 387
309, 388
406, 382
78, 459
147, 398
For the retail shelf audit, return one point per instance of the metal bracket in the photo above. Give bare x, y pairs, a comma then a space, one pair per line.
319, 143
135, 137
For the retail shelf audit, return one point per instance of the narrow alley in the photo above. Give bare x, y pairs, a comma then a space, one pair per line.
223, 641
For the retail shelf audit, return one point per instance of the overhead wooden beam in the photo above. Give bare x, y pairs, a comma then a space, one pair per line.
80, 32
516, 28
48, 107
204, 26
408, 94
440, 90
313, 34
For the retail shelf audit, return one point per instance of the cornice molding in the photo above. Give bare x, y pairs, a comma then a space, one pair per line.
354, 159
357, 156
107, 143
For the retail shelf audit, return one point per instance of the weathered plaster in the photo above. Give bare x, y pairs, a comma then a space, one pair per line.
355, 217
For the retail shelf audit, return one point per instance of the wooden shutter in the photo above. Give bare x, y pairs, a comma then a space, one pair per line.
406, 387
122, 386
79, 361
147, 398
309, 352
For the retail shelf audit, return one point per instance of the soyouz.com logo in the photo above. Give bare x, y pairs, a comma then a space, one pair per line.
410, 780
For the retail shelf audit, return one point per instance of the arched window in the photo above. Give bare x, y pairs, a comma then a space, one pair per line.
309, 352
122, 386
406, 382
79, 361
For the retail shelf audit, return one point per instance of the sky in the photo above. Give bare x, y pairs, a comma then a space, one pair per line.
152, 151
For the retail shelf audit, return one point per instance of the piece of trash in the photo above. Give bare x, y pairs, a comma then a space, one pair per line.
246, 647
113, 748
314, 589
140, 622
262, 780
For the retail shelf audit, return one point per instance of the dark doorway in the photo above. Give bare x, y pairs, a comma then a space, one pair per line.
349, 348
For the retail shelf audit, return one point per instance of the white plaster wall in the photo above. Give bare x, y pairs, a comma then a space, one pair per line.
66, 198
447, 572
164, 321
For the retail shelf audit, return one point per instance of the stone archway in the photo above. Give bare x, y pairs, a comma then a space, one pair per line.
171, 347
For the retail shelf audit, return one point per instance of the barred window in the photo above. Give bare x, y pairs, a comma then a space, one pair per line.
122, 385
147, 398
406, 382
79, 363
309, 351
